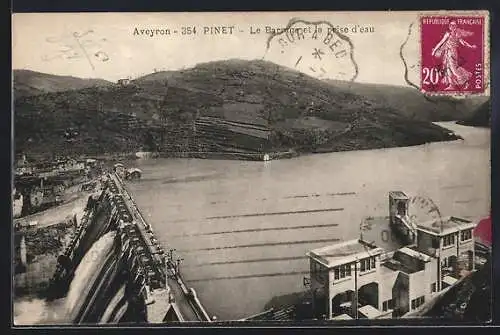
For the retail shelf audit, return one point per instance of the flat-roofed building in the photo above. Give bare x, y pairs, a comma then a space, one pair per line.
451, 241
339, 271
123, 82
362, 280
409, 274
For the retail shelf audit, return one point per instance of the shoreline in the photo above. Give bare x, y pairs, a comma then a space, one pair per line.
257, 157
289, 153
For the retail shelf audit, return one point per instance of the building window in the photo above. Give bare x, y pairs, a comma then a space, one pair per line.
401, 208
447, 263
448, 240
466, 235
416, 303
342, 271
367, 264
444, 263
388, 304
433, 287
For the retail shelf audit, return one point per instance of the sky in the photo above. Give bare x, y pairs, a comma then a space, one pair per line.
111, 46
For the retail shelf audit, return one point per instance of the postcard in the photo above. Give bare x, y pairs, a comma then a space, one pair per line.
251, 166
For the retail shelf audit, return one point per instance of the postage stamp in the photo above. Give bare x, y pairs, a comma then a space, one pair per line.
452, 54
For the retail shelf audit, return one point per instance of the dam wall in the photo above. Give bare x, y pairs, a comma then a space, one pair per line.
132, 279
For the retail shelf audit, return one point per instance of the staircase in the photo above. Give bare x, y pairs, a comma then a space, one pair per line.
405, 227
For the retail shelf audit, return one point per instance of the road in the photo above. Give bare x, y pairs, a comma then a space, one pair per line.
187, 310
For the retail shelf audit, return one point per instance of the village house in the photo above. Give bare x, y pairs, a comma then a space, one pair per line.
123, 82
387, 284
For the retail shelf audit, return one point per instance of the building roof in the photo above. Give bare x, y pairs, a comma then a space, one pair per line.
445, 225
397, 263
398, 195
342, 317
415, 254
369, 311
344, 252
449, 280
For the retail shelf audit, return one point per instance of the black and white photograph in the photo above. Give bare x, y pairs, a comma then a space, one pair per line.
216, 167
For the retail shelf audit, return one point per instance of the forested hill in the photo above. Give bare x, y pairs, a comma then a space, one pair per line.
480, 118
236, 105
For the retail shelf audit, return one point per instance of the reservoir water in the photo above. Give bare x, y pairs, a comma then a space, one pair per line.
243, 228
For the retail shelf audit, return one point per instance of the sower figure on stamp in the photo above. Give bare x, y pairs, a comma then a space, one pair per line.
447, 49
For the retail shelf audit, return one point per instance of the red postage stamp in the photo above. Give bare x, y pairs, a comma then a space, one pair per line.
452, 54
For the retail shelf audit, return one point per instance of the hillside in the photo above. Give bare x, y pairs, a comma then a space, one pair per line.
27, 83
480, 118
470, 300
264, 106
411, 103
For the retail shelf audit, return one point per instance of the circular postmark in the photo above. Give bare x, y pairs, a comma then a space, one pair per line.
412, 212
410, 56
373, 235
423, 210
317, 48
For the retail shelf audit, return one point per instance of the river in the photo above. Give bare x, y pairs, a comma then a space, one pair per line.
243, 228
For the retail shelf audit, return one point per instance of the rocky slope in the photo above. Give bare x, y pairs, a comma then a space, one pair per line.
411, 103
470, 300
480, 118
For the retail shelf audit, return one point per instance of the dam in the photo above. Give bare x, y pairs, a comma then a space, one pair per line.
115, 271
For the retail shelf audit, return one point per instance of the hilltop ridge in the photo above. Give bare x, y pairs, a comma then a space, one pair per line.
27, 83
263, 107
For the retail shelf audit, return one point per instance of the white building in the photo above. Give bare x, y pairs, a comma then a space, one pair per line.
124, 81
390, 284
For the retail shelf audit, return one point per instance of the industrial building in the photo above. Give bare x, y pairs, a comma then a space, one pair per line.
356, 279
